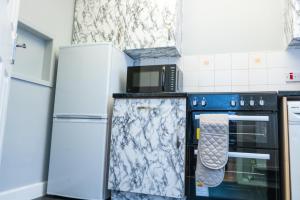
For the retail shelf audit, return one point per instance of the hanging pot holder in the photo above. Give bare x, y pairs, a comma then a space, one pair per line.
214, 141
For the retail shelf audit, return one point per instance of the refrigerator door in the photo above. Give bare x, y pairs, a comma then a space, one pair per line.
82, 80
78, 159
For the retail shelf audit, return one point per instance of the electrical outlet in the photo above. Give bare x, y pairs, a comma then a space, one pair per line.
293, 77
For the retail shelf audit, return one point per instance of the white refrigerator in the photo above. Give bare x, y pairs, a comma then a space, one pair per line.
87, 75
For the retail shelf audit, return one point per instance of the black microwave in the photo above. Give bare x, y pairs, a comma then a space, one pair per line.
155, 78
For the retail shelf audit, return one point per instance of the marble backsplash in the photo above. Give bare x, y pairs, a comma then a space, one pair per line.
129, 24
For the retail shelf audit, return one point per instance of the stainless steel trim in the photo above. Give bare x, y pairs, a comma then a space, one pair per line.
285, 150
249, 155
255, 134
244, 118
250, 173
245, 155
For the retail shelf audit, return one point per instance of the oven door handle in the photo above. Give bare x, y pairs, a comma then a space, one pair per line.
244, 118
245, 155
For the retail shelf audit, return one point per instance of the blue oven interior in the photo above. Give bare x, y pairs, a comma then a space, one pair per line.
252, 171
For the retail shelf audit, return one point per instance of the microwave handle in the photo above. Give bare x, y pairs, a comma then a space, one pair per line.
163, 74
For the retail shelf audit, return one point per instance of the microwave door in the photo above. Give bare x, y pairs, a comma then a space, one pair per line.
145, 79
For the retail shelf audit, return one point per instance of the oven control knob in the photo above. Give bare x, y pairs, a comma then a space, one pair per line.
242, 102
203, 102
233, 103
252, 102
261, 102
195, 102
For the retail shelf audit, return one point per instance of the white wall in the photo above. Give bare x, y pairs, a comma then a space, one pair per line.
53, 17
222, 26
236, 45
28, 129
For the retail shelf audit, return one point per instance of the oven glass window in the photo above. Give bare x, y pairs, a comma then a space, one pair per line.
146, 79
251, 172
255, 133
248, 178
248, 131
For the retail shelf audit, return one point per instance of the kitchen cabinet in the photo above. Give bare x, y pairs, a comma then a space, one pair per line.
148, 147
153, 28
292, 23
141, 27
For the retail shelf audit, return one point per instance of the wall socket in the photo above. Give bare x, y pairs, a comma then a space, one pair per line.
293, 77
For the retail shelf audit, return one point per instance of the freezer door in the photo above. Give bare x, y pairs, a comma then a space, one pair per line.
294, 139
78, 159
82, 80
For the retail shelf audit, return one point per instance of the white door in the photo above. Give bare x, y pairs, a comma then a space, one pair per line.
78, 158
82, 81
8, 29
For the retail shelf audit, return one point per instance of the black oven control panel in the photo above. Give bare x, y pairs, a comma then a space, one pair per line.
233, 101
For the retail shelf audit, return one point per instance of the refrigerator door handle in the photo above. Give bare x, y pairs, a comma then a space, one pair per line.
79, 116
77, 120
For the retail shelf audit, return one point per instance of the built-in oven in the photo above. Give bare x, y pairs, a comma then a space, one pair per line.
252, 171
156, 78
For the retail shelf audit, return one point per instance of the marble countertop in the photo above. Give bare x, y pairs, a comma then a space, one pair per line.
150, 95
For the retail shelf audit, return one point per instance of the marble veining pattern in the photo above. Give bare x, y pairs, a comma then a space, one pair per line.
134, 196
99, 21
292, 23
151, 23
129, 24
153, 52
148, 146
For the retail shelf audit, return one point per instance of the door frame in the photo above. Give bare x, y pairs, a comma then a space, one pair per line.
9, 12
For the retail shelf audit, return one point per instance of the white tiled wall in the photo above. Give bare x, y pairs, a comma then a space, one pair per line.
235, 72
253, 71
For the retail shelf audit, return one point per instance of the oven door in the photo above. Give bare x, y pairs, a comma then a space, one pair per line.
246, 129
249, 174
145, 79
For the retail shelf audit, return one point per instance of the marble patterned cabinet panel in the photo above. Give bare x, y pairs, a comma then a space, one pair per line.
130, 24
148, 146
99, 21
116, 195
292, 23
